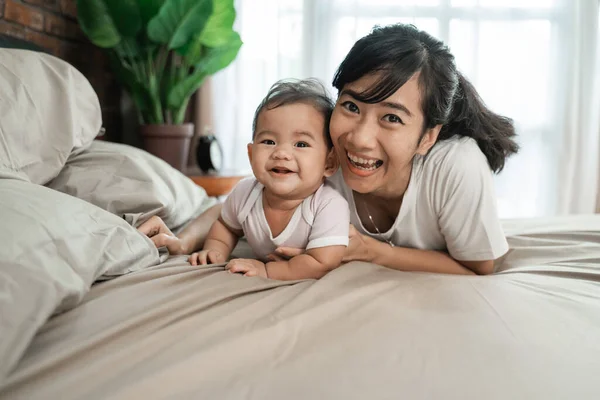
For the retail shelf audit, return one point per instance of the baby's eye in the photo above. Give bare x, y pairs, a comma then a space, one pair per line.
394, 119
268, 142
302, 144
350, 106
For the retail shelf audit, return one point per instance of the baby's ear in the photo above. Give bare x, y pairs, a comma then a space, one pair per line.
332, 163
250, 152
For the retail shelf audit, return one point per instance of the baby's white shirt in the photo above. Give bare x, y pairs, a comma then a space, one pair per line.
321, 220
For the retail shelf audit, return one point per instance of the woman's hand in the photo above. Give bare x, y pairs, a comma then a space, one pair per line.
156, 229
247, 266
285, 253
359, 247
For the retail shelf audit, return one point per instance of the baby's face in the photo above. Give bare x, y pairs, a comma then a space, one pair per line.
289, 152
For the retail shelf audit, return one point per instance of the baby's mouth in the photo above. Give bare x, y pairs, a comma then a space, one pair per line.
370, 164
281, 170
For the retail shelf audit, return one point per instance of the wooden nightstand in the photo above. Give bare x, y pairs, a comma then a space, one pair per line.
218, 183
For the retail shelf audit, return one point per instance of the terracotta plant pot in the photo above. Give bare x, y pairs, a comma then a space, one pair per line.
169, 142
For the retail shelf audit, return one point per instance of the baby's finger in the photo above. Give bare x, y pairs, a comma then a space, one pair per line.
252, 272
193, 259
202, 258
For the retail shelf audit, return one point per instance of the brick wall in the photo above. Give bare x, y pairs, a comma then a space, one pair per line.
52, 25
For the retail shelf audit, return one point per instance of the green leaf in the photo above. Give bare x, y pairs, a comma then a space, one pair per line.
126, 16
213, 60
178, 21
220, 24
216, 33
130, 48
128, 79
217, 58
149, 9
192, 51
97, 23
146, 102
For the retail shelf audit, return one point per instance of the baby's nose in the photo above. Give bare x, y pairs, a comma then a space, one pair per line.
281, 153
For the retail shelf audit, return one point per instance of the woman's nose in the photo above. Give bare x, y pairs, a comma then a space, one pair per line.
362, 135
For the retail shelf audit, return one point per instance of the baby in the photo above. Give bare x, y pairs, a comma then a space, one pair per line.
287, 203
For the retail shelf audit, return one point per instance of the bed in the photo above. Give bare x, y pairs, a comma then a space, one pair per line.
89, 309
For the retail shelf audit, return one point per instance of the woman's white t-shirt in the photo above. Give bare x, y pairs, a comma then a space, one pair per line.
450, 204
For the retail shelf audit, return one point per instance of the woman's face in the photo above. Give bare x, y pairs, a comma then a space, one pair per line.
376, 143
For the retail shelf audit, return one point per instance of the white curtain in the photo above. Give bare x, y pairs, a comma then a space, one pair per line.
579, 177
536, 61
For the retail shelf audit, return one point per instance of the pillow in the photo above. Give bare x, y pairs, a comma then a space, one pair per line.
47, 109
53, 247
132, 183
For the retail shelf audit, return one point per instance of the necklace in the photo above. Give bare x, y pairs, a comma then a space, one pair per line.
374, 224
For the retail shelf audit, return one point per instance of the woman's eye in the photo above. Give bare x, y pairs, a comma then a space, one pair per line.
394, 119
267, 142
350, 106
302, 144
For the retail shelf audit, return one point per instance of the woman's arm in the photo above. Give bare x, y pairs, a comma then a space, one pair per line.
190, 239
365, 248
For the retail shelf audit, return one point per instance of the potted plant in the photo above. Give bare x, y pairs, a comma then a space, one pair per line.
161, 51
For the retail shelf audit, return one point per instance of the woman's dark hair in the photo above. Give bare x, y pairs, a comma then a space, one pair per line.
292, 91
399, 51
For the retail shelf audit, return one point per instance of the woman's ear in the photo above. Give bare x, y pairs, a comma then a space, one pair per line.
428, 140
332, 163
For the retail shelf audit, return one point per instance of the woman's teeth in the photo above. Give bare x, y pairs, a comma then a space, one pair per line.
364, 164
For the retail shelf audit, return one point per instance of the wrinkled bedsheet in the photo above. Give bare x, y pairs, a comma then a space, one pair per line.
530, 331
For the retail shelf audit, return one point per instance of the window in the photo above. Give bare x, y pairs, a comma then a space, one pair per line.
517, 53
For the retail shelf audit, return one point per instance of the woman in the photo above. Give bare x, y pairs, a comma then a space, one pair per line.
417, 148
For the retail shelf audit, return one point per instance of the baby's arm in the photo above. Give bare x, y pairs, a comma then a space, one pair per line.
313, 264
226, 230
327, 242
218, 245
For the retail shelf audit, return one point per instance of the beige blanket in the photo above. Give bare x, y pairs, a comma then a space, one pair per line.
531, 331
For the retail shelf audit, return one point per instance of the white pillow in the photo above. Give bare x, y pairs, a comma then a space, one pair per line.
52, 248
47, 109
131, 183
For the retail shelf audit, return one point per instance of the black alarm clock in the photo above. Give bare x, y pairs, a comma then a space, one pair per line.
209, 153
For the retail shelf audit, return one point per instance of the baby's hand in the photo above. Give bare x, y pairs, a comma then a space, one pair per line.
206, 257
248, 267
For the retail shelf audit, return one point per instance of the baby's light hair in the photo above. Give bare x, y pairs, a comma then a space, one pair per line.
292, 91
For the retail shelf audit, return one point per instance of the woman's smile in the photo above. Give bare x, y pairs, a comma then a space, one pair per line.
364, 163
362, 166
